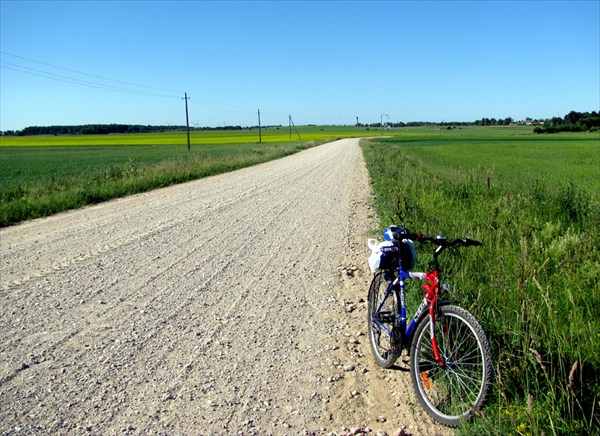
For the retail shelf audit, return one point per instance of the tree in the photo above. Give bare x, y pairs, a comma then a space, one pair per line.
573, 117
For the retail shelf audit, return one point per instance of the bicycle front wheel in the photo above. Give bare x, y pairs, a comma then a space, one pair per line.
382, 314
455, 390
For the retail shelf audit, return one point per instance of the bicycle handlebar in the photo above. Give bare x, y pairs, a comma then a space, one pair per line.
442, 240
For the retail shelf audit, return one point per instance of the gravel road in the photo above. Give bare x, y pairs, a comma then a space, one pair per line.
233, 304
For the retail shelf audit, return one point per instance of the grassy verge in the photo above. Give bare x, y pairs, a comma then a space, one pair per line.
534, 285
41, 181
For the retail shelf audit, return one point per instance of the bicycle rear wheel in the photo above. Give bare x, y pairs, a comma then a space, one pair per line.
454, 391
382, 313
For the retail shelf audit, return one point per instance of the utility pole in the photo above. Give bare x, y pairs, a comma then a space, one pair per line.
187, 120
259, 131
290, 124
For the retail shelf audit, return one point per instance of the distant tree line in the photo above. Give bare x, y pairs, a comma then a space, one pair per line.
494, 122
90, 129
572, 122
416, 124
104, 129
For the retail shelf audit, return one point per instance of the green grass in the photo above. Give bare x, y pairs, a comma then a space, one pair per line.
551, 159
534, 285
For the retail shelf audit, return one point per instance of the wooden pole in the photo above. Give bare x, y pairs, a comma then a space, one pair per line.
187, 121
259, 131
292, 124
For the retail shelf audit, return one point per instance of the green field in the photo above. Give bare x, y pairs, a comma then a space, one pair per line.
534, 285
505, 153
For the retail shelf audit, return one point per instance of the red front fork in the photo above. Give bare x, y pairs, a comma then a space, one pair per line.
431, 292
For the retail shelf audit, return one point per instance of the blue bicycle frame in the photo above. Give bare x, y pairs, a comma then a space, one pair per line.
400, 283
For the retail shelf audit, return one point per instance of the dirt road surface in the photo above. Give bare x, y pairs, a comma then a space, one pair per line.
230, 305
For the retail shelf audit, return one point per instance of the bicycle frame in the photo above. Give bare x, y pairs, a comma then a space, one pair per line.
431, 296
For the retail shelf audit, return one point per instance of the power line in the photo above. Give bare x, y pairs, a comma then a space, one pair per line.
95, 84
75, 81
229, 108
88, 74
72, 79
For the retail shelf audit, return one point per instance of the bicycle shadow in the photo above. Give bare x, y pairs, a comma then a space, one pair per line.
401, 366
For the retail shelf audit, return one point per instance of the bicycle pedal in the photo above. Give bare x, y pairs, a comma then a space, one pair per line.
386, 317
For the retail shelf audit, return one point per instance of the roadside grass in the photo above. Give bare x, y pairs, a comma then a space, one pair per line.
534, 285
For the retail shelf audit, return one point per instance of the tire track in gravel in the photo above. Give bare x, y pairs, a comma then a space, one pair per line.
212, 307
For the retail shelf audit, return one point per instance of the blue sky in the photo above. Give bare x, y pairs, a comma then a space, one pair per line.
322, 62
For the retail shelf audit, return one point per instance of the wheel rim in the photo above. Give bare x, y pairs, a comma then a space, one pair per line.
456, 389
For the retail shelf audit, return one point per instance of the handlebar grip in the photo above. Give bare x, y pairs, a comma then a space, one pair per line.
412, 236
418, 237
471, 242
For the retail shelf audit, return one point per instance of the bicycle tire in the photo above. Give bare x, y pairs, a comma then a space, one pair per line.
457, 390
383, 344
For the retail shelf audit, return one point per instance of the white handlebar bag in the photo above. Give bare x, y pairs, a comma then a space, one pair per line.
387, 255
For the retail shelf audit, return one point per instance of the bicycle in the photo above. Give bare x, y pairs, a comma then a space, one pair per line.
450, 356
